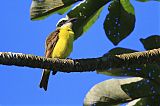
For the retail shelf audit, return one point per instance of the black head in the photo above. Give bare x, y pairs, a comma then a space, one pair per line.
64, 21
61, 22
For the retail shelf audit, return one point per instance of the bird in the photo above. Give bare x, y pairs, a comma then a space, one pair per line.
59, 44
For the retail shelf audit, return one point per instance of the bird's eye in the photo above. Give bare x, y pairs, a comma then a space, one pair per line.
60, 24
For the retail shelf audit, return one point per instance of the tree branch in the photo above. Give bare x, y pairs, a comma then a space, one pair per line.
80, 65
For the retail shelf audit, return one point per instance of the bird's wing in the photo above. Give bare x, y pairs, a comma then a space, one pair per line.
51, 42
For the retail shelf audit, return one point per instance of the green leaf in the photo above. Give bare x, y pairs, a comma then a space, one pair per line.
120, 21
146, 0
127, 6
63, 10
116, 91
119, 50
41, 9
151, 42
87, 13
92, 20
124, 71
146, 101
150, 71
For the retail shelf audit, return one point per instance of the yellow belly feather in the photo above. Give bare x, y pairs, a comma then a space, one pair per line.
64, 44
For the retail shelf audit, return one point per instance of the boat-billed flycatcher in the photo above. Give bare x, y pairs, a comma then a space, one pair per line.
59, 44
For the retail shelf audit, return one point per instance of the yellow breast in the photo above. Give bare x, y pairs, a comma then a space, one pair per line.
64, 44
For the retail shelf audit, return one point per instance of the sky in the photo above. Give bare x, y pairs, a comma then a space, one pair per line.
20, 85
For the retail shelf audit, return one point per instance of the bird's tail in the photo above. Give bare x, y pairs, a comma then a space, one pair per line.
44, 80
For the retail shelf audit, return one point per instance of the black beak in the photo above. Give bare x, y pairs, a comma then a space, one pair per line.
72, 20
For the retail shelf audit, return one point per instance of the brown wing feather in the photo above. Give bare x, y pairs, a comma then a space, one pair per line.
51, 42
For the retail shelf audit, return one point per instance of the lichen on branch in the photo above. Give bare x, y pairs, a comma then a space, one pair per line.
80, 65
